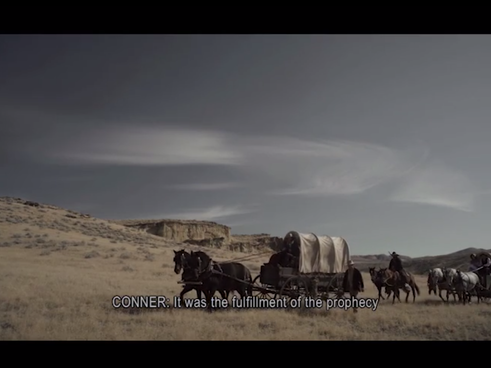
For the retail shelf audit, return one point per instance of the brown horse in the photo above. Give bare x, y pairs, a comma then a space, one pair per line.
378, 282
394, 282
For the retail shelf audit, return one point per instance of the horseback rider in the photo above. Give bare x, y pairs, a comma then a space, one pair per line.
480, 266
486, 261
475, 264
396, 265
486, 268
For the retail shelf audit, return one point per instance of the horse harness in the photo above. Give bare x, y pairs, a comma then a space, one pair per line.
211, 268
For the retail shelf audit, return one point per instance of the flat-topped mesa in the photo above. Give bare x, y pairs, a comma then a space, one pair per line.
180, 230
259, 240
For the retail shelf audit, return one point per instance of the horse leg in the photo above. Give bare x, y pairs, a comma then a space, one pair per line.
208, 296
398, 294
223, 294
478, 297
379, 288
214, 285
186, 289
408, 292
440, 294
448, 296
388, 291
241, 289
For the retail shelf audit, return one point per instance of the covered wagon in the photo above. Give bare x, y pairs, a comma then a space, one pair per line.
309, 265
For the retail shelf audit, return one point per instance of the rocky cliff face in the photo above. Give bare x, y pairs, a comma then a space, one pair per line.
180, 230
247, 242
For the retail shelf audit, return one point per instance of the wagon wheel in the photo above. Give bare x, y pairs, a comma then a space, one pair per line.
293, 288
334, 289
261, 294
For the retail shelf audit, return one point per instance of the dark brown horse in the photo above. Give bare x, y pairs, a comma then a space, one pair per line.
394, 283
225, 276
378, 282
181, 259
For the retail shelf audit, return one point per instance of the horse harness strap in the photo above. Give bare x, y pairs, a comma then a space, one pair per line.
216, 268
211, 268
208, 267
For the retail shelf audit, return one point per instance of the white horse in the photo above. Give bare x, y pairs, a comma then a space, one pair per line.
436, 280
465, 283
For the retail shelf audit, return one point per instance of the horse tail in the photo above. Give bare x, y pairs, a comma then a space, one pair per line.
417, 288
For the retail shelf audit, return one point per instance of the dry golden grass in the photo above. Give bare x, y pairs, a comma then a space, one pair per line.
61, 288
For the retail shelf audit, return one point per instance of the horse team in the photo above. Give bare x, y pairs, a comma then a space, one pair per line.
201, 273
227, 277
464, 285
208, 277
461, 285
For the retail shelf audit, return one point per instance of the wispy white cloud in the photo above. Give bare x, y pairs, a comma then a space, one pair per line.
147, 146
315, 167
439, 185
213, 213
292, 166
277, 165
326, 168
206, 186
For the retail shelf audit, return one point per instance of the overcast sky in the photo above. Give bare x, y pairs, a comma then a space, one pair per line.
383, 140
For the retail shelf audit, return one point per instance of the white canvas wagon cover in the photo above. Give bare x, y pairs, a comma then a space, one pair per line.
323, 254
